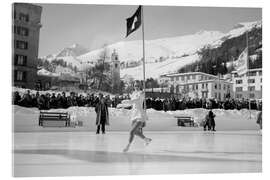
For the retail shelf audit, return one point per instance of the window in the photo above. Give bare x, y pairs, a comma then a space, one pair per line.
228, 86
251, 88
206, 86
219, 85
235, 75
177, 78
261, 79
21, 44
251, 80
260, 73
239, 89
193, 76
224, 87
171, 78
20, 76
240, 81
182, 78
252, 73
20, 60
202, 85
188, 77
23, 31
116, 65
23, 17
196, 86
193, 87
251, 95
238, 96
215, 86
215, 95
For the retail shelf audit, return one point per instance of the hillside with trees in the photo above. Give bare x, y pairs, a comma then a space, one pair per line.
219, 59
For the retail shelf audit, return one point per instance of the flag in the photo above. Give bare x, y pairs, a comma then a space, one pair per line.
241, 64
134, 22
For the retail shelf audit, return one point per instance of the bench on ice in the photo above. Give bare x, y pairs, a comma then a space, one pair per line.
54, 119
183, 120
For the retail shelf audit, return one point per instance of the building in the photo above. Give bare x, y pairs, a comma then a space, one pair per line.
115, 72
196, 85
45, 79
248, 85
26, 26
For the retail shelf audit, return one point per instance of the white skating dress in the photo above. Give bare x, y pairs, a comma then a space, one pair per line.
137, 112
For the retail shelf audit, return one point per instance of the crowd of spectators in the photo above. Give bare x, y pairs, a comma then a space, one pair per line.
173, 104
61, 100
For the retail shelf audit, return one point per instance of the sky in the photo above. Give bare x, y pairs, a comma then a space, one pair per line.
93, 26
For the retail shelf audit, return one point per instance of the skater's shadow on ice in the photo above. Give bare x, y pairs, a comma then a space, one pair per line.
116, 157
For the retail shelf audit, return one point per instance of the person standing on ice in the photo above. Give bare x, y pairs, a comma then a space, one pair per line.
212, 122
138, 115
102, 112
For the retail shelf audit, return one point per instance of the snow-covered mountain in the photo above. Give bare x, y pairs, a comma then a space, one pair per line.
154, 49
69, 54
175, 52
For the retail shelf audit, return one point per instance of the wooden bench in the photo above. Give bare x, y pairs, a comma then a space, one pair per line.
183, 120
54, 119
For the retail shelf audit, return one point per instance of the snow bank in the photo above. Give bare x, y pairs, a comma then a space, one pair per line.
26, 119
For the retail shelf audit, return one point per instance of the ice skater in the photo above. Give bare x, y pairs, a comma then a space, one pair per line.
138, 115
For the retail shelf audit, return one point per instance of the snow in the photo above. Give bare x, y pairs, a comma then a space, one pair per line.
154, 70
154, 49
44, 72
176, 51
26, 119
238, 30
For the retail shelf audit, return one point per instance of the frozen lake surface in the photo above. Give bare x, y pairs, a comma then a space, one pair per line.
171, 152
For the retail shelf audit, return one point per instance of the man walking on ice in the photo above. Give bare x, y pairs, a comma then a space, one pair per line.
138, 115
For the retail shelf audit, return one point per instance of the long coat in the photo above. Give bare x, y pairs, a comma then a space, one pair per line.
211, 116
259, 119
98, 112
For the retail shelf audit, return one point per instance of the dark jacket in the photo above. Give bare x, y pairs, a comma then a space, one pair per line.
99, 112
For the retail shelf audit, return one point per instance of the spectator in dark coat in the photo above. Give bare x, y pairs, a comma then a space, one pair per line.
259, 119
212, 122
26, 100
102, 112
16, 98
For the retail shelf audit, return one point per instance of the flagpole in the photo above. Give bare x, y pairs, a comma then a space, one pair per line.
143, 55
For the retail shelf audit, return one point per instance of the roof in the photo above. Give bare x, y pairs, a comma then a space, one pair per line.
204, 81
188, 73
250, 70
68, 77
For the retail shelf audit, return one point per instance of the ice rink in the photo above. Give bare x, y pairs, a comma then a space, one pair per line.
172, 152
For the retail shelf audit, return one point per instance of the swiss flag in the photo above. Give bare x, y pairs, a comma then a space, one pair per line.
135, 21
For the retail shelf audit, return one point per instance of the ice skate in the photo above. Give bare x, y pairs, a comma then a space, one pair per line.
126, 148
147, 141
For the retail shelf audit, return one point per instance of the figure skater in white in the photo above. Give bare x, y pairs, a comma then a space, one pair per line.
138, 115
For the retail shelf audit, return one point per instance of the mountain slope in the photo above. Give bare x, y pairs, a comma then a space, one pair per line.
163, 55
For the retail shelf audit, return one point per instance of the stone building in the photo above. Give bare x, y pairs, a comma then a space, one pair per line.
196, 85
248, 85
25, 37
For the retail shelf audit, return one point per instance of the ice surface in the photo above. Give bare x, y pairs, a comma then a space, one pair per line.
85, 153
